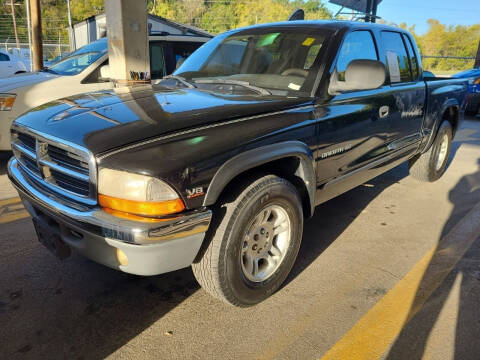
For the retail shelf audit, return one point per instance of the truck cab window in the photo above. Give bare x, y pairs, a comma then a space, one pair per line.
4, 57
357, 45
413, 58
397, 57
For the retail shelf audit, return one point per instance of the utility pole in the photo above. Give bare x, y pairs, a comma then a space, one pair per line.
477, 58
27, 6
73, 43
37, 46
374, 11
127, 30
14, 23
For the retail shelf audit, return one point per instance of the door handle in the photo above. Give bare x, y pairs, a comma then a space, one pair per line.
383, 111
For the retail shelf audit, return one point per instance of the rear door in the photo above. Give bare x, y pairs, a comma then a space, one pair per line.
406, 103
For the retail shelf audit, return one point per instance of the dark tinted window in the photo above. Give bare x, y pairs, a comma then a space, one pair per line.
4, 57
157, 61
182, 50
397, 58
413, 58
357, 45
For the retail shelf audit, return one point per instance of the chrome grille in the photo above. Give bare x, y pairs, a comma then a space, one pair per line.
65, 168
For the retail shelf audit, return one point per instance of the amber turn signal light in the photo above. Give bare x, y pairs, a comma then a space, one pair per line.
147, 208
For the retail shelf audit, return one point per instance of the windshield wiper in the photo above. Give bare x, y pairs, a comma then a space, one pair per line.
181, 80
245, 84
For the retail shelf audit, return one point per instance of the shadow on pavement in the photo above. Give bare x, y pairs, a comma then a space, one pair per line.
78, 309
412, 341
333, 217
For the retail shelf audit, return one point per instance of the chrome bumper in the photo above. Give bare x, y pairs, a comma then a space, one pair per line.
154, 247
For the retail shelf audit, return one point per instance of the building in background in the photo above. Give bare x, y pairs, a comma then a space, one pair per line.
94, 28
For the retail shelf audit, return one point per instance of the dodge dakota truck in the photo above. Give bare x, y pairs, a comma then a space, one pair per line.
218, 165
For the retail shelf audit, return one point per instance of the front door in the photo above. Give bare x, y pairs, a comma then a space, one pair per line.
353, 126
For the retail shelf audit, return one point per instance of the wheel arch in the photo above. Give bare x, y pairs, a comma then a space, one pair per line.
266, 158
450, 111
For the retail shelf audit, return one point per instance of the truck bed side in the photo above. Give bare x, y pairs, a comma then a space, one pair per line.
445, 99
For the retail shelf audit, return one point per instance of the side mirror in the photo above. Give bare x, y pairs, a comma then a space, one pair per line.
105, 74
359, 75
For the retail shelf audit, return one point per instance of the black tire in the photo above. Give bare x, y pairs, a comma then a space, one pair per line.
219, 270
473, 112
424, 166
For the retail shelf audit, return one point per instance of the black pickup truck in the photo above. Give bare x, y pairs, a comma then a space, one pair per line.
218, 165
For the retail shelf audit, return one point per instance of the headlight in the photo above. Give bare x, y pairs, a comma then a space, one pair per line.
136, 194
477, 82
6, 101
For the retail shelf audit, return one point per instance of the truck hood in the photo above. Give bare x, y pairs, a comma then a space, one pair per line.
108, 120
11, 83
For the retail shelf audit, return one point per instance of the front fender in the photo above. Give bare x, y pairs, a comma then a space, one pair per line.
260, 156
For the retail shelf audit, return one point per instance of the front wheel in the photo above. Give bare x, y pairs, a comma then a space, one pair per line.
254, 243
431, 165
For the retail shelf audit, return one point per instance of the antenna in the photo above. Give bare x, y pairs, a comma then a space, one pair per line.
297, 14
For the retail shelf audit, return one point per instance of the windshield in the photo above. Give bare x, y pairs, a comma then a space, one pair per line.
76, 62
279, 59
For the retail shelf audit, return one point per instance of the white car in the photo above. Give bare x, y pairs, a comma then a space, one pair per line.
10, 64
80, 72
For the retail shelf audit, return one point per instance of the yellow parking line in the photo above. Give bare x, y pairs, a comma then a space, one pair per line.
11, 210
12, 217
372, 335
10, 201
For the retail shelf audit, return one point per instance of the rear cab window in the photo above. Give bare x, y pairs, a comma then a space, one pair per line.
413, 58
398, 61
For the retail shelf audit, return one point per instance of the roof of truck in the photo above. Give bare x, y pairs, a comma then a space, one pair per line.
332, 24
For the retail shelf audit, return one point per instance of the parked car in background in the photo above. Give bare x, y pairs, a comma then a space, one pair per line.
218, 165
473, 96
10, 65
79, 73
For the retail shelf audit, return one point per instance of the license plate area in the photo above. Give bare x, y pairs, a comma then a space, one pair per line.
48, 233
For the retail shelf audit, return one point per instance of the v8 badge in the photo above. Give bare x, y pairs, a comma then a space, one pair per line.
195, 192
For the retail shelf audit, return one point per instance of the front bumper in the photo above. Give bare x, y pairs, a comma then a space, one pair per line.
151, 248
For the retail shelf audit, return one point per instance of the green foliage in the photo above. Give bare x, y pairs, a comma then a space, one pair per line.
217, 16
221, 15
442, 40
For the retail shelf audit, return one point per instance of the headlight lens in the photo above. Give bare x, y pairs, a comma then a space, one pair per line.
136, 194
6, 101
477, 82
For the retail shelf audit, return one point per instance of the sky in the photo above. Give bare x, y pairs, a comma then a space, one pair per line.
450, 12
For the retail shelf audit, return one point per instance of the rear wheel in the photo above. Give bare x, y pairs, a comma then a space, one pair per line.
254, 242
431, 165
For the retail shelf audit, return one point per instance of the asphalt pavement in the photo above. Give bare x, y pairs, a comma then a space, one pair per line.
389, 270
